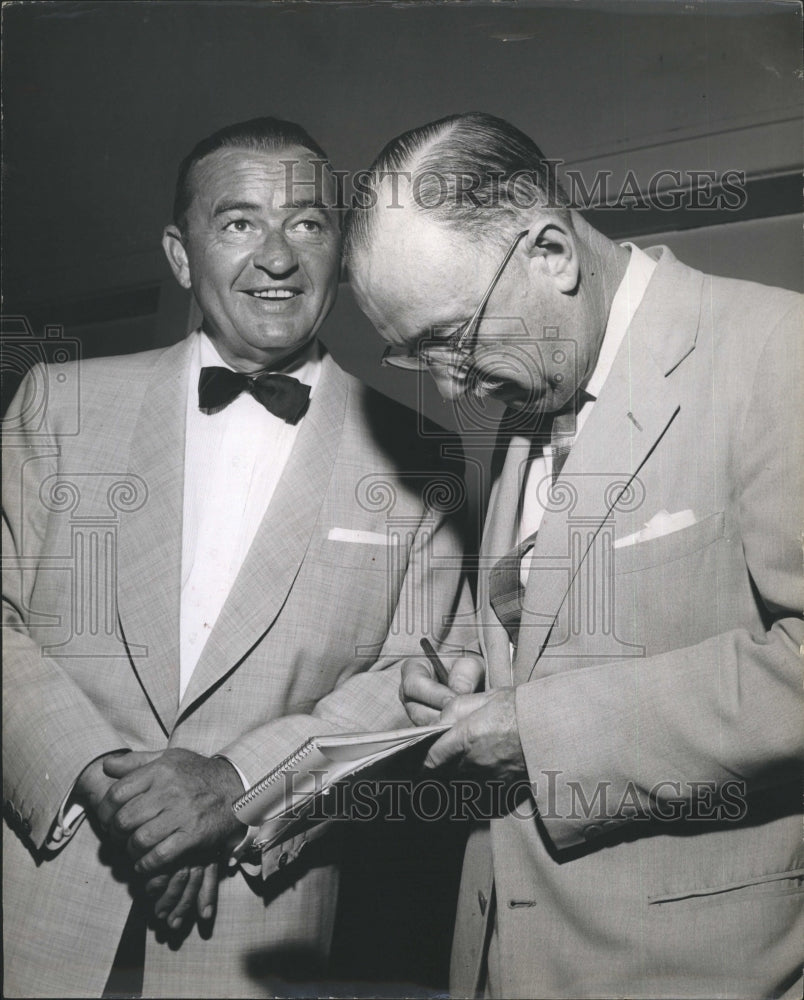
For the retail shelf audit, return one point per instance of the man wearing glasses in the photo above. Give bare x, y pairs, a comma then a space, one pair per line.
640, 584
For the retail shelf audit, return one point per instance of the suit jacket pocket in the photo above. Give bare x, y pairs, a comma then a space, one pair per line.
667, 548
778, 883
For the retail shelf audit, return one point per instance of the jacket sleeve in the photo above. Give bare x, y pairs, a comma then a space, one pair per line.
434, 579
725, 713
51, 730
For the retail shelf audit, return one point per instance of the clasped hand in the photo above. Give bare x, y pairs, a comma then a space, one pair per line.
172, 811
484, 738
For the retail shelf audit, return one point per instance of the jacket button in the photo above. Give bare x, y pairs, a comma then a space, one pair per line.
482, 902
283, 859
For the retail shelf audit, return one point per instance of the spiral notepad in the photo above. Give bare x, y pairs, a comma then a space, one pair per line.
316, 765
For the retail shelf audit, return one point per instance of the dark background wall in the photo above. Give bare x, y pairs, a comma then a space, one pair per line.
101, 100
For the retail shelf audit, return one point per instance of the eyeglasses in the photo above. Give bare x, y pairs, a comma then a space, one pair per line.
453, 351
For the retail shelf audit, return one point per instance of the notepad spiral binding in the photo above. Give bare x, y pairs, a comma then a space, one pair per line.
256, 790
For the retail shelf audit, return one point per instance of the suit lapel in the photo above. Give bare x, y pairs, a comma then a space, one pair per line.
636, 406
149, 564
276, 554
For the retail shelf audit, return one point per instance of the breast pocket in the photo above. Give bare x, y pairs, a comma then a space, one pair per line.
679, 589
671, 547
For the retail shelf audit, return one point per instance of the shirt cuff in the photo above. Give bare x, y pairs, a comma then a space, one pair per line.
243, 778
68, 819
71, 814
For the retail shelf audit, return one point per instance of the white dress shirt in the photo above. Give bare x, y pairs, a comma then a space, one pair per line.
623, 307
233, 461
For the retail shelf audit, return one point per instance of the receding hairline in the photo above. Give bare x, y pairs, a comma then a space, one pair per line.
408, 163
514, 175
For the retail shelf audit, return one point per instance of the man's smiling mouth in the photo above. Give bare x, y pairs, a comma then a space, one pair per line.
273, 294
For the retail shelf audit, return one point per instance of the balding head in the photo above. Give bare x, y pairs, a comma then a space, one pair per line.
472, 172
463, 227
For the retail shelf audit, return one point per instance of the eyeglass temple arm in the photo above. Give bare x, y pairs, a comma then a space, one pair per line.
470, 326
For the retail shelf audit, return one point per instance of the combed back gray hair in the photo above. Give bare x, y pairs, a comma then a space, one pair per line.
472, 172
259, 135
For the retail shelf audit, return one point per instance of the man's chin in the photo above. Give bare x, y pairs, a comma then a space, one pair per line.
276, 348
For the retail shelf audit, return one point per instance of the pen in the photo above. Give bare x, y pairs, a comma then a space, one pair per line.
438, 664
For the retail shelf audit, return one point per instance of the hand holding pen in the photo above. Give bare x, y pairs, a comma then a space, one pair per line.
441, 672
428, 686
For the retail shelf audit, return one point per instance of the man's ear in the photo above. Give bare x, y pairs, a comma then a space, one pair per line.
550, 241
173, 245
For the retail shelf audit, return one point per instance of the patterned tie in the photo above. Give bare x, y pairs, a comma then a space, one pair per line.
282, 395
506, 592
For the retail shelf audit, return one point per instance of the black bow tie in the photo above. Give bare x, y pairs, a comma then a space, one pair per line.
282, 395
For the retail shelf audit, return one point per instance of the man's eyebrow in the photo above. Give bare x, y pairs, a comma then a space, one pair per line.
235, 206
228, 205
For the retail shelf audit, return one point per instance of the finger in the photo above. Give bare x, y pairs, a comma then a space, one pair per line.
207, 902
118, 794
174, 885
462, 705
419, 685
155, 886
148, 837
167, 852
135, 813
119, 765
121, 792
445, 750
421, 715
467, 674
184, 907
416, 668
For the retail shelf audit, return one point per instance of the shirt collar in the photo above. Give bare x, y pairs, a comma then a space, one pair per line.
623, 307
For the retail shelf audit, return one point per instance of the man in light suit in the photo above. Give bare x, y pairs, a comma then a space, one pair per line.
640, 605
206, 564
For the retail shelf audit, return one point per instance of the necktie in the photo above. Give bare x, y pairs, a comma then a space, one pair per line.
506, 592
282, 395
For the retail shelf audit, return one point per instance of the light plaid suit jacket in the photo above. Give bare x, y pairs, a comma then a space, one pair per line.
310, 640
644, 669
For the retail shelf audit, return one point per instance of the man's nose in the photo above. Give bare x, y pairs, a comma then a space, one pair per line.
276, 255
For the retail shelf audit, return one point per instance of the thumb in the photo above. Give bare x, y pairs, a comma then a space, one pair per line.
467, 674
119, 765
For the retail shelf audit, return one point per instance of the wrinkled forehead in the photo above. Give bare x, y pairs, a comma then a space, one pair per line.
285, 178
